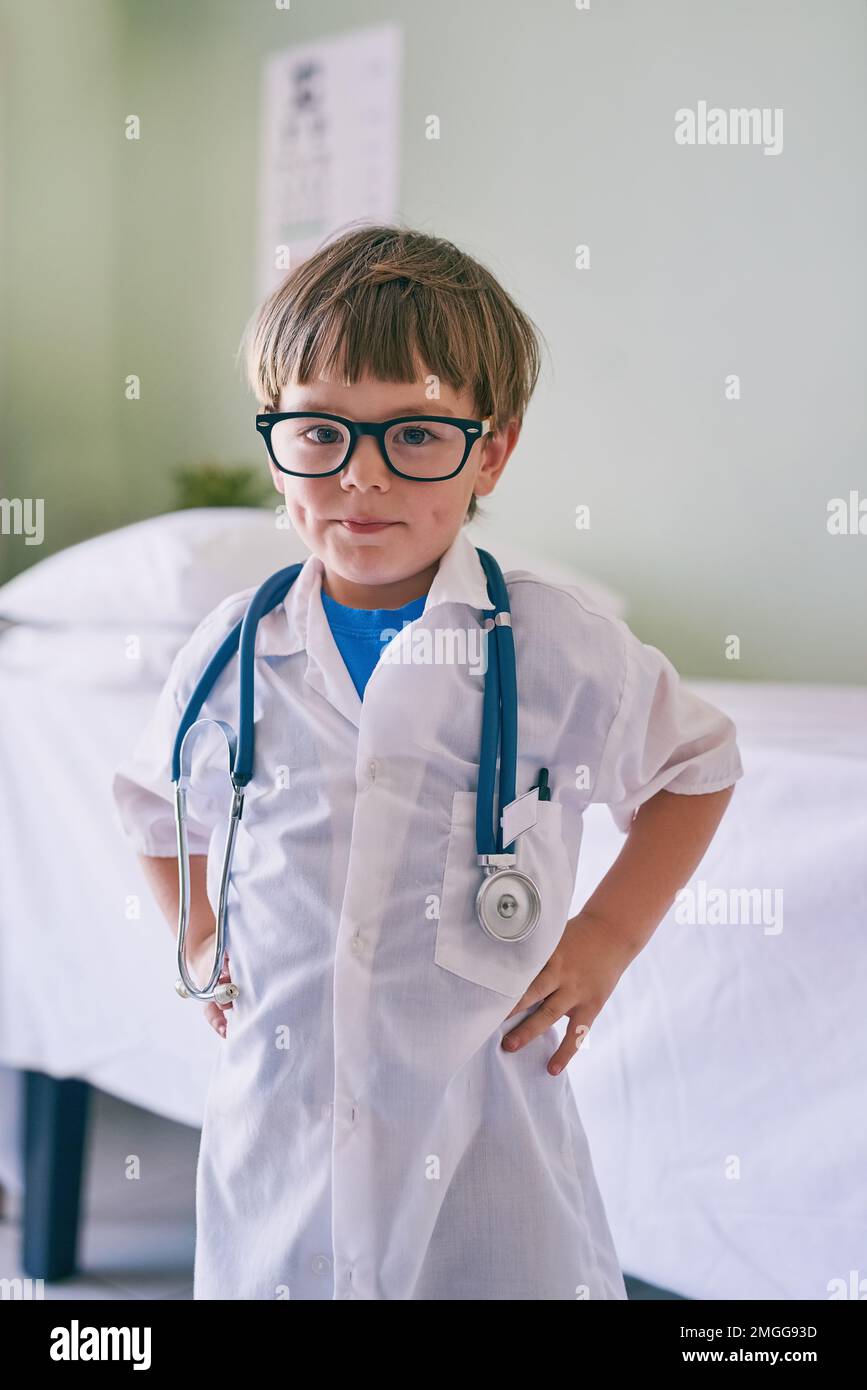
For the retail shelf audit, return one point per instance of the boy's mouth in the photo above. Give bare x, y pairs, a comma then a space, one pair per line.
363, 525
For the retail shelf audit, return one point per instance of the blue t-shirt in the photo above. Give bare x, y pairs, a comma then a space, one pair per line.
357, 633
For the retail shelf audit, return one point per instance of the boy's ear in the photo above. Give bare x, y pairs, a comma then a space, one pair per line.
496, 449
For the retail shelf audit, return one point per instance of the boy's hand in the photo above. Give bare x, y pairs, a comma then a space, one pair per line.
202, 965
577, 980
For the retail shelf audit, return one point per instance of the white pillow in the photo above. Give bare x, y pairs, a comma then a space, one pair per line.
170, 570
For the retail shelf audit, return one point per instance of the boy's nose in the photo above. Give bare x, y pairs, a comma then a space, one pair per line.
367, 465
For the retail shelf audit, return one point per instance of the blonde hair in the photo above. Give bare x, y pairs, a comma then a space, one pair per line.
379, 299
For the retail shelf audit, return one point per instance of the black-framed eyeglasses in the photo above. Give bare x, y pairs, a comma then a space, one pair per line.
425, 448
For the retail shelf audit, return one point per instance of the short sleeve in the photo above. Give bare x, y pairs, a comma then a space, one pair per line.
662, 737
142, 787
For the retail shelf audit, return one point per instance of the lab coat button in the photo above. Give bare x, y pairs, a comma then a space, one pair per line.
320, 1264
368, 777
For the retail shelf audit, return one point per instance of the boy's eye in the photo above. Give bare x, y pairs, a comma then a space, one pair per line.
412, 434
318, 431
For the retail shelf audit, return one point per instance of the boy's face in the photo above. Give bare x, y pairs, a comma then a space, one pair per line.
388, 567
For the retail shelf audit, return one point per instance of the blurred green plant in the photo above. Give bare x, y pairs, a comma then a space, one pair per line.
221, 485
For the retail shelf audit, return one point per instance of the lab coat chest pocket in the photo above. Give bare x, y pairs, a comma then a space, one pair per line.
461, 945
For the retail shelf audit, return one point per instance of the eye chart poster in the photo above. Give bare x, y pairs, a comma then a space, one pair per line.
330, 142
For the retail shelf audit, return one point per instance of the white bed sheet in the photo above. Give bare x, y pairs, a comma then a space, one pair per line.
88, 961
724, 1085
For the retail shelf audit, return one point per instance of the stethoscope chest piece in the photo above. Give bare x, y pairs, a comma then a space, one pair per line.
509, 905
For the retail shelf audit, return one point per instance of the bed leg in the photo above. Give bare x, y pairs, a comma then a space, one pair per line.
55, 1122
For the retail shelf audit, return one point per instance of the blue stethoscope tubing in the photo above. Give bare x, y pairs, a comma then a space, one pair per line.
515, 896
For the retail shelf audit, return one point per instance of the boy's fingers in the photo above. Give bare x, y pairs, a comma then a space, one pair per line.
214, 1012
225, 979
575, 1034
214, 1015
539, 988
549, 1011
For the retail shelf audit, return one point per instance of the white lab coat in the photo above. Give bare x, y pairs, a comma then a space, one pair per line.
365, 1134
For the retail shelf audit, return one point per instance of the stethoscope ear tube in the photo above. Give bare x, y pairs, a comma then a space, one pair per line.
185, 985
266, 597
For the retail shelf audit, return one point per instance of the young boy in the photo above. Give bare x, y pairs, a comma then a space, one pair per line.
389, 1116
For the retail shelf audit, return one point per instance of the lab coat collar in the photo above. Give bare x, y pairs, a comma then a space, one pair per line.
300, 623
460, 578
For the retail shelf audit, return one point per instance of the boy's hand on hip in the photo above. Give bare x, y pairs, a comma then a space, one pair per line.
202, 965
577, 980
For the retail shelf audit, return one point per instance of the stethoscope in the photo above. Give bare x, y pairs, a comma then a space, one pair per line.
508, 903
